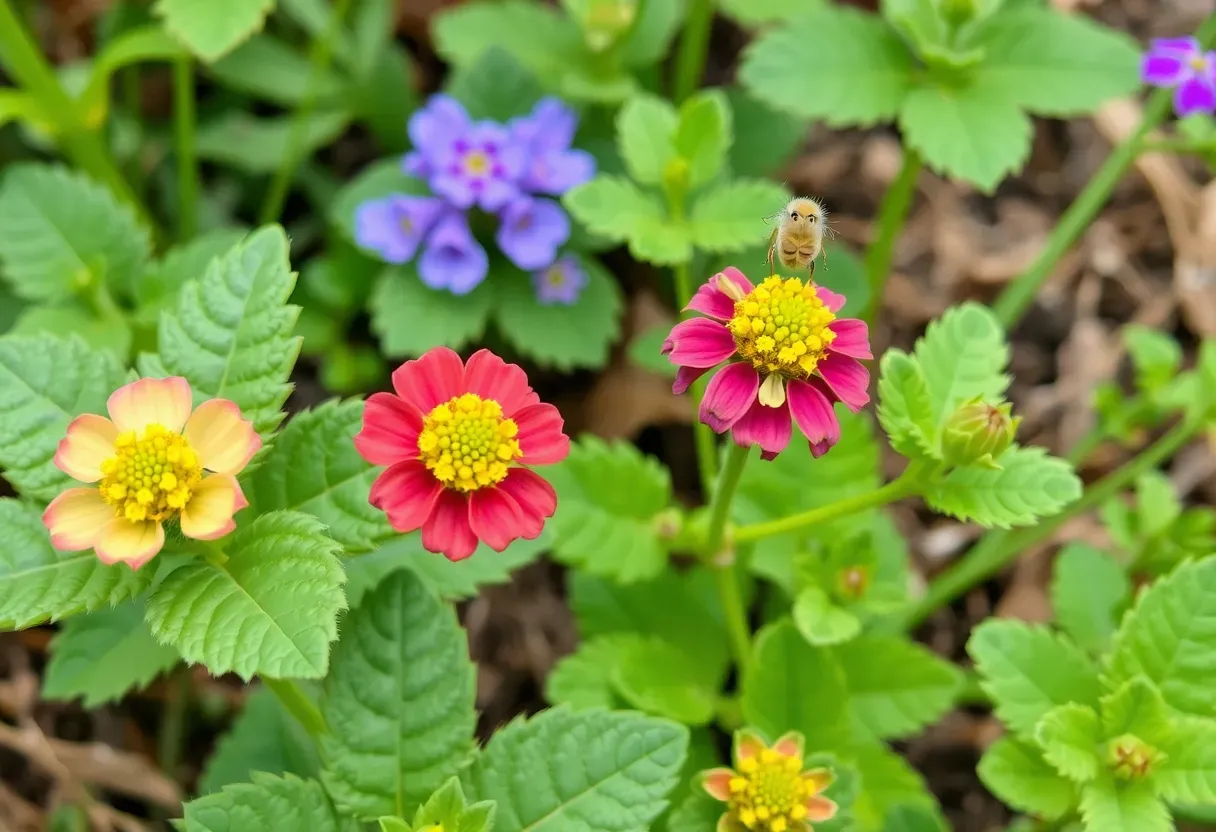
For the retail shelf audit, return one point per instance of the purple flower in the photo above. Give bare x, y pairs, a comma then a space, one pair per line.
1181, 64
530, 231
452, 259
561, 283
394, 226
432, 130
546, 134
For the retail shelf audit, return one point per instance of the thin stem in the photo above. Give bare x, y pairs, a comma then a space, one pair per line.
132, 93
1178, 145
724, 567
183, 137
322, 51
891, 216
907, 484
724, 494
694, 45
707, 448
298, 704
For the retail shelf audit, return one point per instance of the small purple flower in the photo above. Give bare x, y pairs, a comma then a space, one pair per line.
546, 134
394, 227
530, 231
561, 283
1181, 64
452, 259
432, 129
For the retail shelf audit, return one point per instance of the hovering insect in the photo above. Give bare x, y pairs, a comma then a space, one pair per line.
798, 238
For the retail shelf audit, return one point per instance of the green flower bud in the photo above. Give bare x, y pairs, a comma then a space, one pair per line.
676, 178
957, 13
978, 433
1131, 758
606, 21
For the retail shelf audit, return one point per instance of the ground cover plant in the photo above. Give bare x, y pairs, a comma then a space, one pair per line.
330, 330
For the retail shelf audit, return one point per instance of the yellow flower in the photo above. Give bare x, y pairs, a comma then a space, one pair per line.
148, 463
767, 791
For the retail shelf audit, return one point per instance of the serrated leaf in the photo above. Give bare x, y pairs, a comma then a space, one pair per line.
230, 334
905, 408
38, 583
895, 687
703, 135
61, 232
657, 677
1188, 773
212, 28
161, 280
398, 701
263, 738
1087, 590
645, 128
102, 655
410, 318
608, 497
615, 208
963, 355
268, 804
271, 608
448, 810
313, 468
820, 621
1029, 485
1028, 670
616, 771
1137, 708
111, 334
1069, 737
1016, 772
731, 216
1131, 807
887, 781
583, 679
537, 36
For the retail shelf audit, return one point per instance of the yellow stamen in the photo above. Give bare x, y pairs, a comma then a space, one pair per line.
781, 327
467, 444
150, 476
769, 792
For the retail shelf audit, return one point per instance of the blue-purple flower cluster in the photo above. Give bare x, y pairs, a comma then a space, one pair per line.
508, 171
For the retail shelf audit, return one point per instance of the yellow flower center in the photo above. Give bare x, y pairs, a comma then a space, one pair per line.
467, 444
1199, 64
476, 163
781, 327
769, 793
150, 477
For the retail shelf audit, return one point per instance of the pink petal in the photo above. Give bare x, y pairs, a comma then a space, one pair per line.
490, 377
847, 378
729, 394
716, 783
390, 430
540, 435
852, 338
536, 499
713, 301
495, 517
699, 342
406, 493
830, 299
813, 413
768, 427
736, 277
431, 380
447, 531
685, 376
818, 449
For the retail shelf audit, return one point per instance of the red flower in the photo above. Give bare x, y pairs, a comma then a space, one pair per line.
455, 437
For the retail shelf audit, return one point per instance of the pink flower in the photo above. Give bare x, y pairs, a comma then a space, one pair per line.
788, 355
455, 437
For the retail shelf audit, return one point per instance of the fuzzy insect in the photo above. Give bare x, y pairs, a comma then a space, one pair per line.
798, 238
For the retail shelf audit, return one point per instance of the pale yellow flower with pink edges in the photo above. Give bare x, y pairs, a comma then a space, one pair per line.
153, 460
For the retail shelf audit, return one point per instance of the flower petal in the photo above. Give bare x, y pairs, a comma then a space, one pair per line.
852, 338
431, 380
847, 378
818, 779
1194, 95
813, 413
768, 427
699, 342
713, 301
831, 300
390, 430
134, 544
541, 439
76, 517
820, 809
728, 395
536, 499
162, 401
818, 449
490, 377
1163, 69
213, 502
790, 744
685, 376
224, 440
406, 493
736, 277
88, 443
747, 744
447, 531
716, 782
495, 517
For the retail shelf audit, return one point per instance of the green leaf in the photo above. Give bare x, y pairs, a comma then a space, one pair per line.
1027, 670
1016, 772
45, 382
974, 133
263, 738
539, 37
913, 819
1188, 773
147, 43
447, 810
1168, 637
646, 133
963, 355
410, 318
697, 812
398, 702
1088, 589
1156, 355
608, 497
61, 233
895, 686
613, 207
161, 280
731, 216
888, 782
586, 771
1069, 737
112, 334
497, 86
703, 135
1110, 807
765, 138
39, 584
212, 29
657, 677
583, 679
755, 12
559, 335
905, 407
820, 621
1137, 708
313, 468
271, 69
271, 608
102, 655
1029, 485
230, 335
256, 144
268, 804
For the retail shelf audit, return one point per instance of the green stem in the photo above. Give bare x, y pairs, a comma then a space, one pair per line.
905, 485
724, 494
322, 51
132, 93
1018, 295
725, 567
298, 704
183, 136
694, 45
707, 449
1178, 146
891, 216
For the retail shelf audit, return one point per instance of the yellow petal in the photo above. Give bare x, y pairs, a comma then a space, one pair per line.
134, 544
161, 401
89, 442
76, 517
224, 441
772, 391
208, 515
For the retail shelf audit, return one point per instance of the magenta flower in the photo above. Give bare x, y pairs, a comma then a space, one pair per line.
395, 226
453, 259
531, 231
546, 134
561, 283
1181, 64
788, 356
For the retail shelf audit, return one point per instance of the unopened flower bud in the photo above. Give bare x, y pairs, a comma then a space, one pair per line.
1131, 758
978, 433
676, 177
957, 13
606, 21
853, 582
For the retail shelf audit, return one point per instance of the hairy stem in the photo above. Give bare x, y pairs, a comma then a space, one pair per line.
891, 216
725, 567
298, 704
183, 139
694, 45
